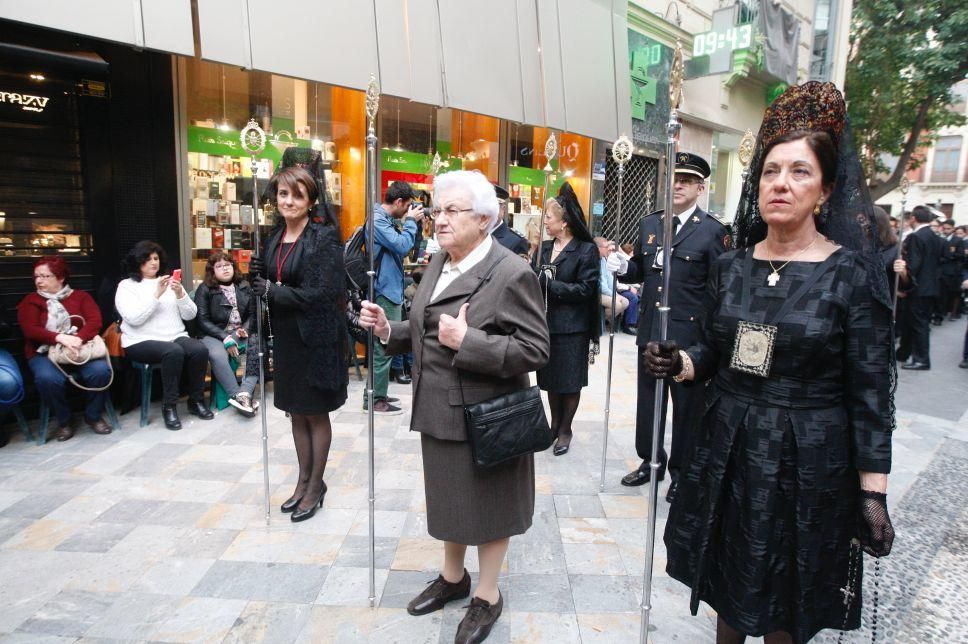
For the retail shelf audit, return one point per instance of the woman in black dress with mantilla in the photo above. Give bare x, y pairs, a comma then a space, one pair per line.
787, 480
568, 271
303, 260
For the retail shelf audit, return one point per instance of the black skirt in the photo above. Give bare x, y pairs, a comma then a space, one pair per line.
567, 368
291, 373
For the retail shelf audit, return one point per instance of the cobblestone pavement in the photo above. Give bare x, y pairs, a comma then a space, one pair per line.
151, 535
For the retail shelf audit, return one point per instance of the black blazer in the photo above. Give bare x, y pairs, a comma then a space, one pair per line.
573, 302
923, 250
697, 245
214, 309
510, 239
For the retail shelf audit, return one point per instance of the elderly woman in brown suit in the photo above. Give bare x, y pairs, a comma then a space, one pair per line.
492, 342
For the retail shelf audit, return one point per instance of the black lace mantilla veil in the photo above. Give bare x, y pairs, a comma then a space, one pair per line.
847, 218
312, 162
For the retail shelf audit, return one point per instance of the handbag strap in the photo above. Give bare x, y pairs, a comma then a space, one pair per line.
484, 279
74, 382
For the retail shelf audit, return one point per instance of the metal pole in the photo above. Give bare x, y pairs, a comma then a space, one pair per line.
372, 107
658, 419
254, 141
551, 150
904, 187
621, 153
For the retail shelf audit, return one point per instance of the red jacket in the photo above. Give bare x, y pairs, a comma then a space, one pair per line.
32, 317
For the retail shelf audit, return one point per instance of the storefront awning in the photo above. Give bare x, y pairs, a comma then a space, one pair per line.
160, 25
556, 63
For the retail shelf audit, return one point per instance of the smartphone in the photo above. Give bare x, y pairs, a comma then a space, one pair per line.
176, 275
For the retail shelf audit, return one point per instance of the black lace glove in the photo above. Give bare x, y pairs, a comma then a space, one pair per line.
257, 267
259, 286
662, 358
876, 531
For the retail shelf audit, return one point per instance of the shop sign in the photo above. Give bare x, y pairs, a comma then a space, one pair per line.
218, 142
27, 102
413, 162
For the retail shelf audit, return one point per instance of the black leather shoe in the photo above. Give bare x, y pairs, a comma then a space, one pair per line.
301, 515
639, 477
64, 433
963, 364
916, 366
403, 378
673, 491
170, 414
200, 409
439, 593
479, 620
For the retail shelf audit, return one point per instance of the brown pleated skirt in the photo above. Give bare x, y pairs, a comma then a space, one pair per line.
473, 505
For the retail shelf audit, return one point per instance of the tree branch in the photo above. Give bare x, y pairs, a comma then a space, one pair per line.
878, 190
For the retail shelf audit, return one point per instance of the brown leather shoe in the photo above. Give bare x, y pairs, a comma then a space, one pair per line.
98, 426
64, 433
438, 593
479, 620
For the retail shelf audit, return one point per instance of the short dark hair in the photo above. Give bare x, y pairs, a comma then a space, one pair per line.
948, 222
293, 177
57, 266
214, 259
140, 254
922, 214
398, 190
822, 146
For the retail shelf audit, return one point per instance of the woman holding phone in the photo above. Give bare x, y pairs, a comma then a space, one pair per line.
153, 309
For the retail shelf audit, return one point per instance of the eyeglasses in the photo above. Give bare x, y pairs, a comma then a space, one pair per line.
219, 267
43, 276
450, 211
687, 181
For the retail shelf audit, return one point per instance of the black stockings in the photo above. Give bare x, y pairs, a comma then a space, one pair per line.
726, 634
312, 436
563, 409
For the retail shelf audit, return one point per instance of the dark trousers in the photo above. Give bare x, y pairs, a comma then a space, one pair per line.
964, 352
902, 327
687, 408
52, 386
921, 308
186, 355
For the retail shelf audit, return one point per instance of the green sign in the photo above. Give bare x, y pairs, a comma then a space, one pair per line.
730, 39
218, 142
526, 176
414, 162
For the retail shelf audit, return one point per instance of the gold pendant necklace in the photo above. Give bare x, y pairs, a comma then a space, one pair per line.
774, 278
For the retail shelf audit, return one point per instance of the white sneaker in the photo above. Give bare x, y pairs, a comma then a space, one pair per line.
242, 403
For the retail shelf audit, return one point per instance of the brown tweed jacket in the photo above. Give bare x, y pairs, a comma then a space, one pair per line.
507, 338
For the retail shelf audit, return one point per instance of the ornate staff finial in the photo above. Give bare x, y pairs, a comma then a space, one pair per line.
436, 164
676, 78
905, 185
372, 99
622, 150
253, 138
746, 146
551, 150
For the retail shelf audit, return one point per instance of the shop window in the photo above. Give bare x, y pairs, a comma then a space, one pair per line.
221, 100
947, 154
526, 176
42, 192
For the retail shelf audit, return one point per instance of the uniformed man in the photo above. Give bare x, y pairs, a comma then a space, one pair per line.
699, 239
504, 234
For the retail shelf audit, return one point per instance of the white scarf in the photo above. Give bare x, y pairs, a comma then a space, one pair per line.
58, 319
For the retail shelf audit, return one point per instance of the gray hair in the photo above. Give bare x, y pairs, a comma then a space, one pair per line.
476, 185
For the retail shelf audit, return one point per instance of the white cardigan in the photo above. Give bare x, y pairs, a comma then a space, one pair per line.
145, 317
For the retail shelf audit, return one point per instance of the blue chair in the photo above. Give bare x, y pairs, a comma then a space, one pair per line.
146, 371
22, 422
45, 419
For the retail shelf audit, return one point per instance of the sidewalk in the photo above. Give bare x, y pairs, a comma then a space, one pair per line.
152, 535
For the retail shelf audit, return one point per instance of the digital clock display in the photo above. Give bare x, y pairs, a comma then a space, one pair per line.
739, 37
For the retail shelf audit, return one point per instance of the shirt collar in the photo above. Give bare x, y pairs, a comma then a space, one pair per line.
472, 258
686, 214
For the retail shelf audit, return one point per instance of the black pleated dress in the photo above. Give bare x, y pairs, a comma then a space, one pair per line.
767, 507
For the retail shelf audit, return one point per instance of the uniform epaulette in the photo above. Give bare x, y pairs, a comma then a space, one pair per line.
719, 218
654, 212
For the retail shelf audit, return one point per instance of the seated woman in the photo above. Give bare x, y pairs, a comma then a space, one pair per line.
226, 318
153, 310
57, 314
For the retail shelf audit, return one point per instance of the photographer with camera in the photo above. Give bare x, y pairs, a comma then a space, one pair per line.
395, 225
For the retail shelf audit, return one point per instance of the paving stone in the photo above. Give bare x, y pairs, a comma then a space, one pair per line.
137, 511
578, 505
69, 613
355, 551
36, 506
96, 537
604, 593
133, 617
273, 582
542, 628
175, 576
346, 586
354, 625
269, 622
540, 593
199, 619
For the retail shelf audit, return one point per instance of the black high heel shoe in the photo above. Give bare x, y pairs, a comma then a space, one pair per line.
301, 515
291, 504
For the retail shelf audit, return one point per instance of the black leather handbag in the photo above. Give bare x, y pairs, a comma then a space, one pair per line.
506, 426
